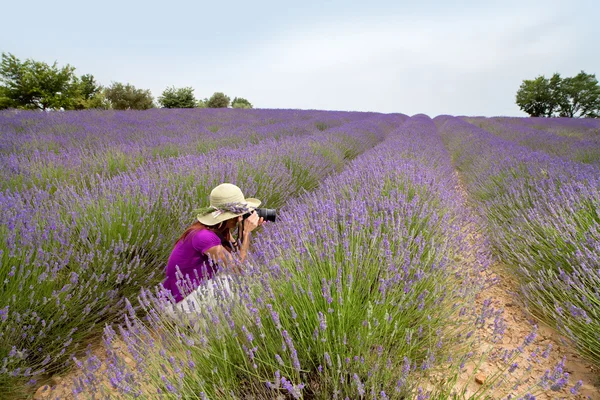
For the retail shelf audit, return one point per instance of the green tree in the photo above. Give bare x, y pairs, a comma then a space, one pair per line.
240, 102
88, 93
5, 101
12, 76
202, 103
127, 97
218, 100
535, 97
580, 96
555, 88
89, 87
98, 100
177, 98
36, 85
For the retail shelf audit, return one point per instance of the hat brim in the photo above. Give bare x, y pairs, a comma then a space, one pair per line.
210, 220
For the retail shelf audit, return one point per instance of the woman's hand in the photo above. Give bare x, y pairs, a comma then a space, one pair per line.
252, 222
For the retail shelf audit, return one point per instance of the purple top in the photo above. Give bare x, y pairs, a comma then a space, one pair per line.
193, 262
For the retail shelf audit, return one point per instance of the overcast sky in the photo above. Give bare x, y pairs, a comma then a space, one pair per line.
433, 57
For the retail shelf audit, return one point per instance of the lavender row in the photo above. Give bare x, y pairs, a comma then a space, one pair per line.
582, 128
570, 147
58, 148
27, 131
353, 293
543, 221
71, 254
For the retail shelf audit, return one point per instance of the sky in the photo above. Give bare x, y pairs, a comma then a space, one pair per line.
432, 57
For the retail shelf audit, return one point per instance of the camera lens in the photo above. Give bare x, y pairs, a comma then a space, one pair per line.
268, 214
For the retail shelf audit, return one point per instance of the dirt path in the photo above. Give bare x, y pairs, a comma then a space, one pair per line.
518, 325
62, 387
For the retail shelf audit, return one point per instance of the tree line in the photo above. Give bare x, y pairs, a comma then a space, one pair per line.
577, 96
37, 85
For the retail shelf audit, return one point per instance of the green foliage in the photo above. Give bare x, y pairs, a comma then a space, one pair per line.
98, 101
5, 100
581, 94
177, 98
202, 103
127, 97
89, 87
218, 100
240, 102
537, 97
12, 76
33, 84
89, 94
321, 126
36, 85
578, 96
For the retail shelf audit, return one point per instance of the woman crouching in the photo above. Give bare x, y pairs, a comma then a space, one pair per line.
204, 254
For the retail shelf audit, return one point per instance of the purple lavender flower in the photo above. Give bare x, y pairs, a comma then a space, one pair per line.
576, 387
360, 387
322, 322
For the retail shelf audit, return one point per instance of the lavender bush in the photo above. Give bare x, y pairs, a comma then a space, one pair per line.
353, 293
585, 150
71, 250
543, 221
59, 148
583, 128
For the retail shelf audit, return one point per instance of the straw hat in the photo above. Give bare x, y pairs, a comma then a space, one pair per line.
226, 201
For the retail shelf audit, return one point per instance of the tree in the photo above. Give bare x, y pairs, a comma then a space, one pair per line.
5, 101
240, 102
578, 96
218, 100
89, 94
581, 94
127, 97
555, 89
178, 98
89, 87
52, 87
202, 103
36, 85
534, 97
12, 92
32, 84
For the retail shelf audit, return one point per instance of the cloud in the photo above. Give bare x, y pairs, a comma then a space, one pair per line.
413, 63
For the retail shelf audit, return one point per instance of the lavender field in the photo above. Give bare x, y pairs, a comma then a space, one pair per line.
369, 284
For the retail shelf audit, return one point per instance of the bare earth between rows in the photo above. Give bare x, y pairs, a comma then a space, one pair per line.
503, 295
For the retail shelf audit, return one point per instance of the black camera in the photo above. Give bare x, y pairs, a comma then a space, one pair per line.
268, 214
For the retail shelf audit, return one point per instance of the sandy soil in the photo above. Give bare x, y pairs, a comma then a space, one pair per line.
62, 387
518, 325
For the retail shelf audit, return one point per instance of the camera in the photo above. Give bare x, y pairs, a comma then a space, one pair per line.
268, 214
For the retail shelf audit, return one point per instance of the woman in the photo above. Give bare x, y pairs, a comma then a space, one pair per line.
208, 244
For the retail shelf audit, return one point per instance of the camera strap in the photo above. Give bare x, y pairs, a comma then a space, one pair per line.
240, 237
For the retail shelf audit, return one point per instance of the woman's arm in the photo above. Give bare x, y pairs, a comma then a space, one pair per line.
221, 255
250, 224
